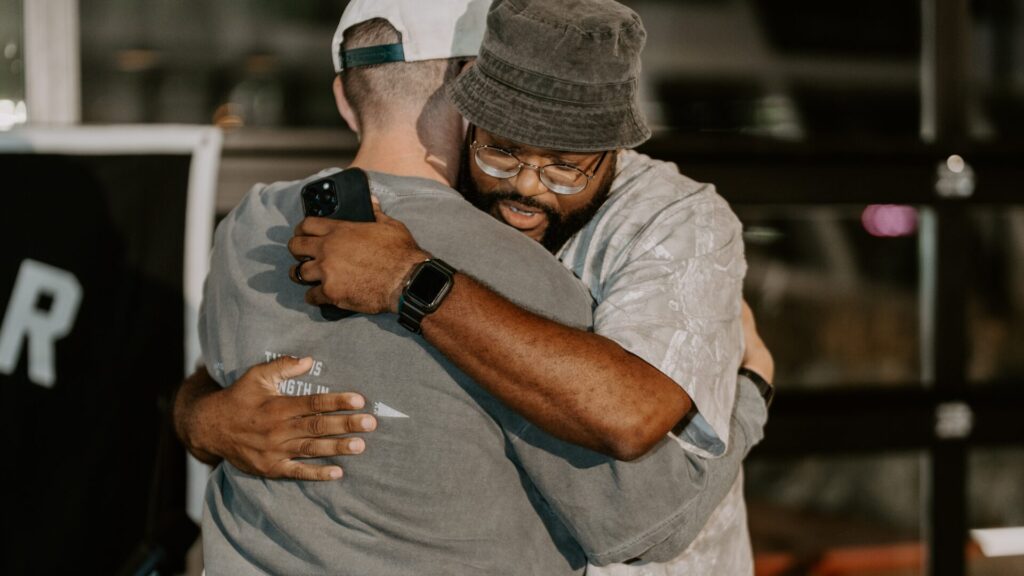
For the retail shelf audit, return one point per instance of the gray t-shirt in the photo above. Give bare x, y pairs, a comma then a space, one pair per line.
452, 482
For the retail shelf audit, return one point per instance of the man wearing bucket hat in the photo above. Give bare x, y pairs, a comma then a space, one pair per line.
552, 103
456, 483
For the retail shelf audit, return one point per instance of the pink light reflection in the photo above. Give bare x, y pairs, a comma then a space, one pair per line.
889, 220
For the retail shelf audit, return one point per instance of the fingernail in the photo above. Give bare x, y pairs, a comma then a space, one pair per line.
366, 423
357, 401
334, 473
356, 445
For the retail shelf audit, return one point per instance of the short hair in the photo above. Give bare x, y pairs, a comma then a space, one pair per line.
379, 91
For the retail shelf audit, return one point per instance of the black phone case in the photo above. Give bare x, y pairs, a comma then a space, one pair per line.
343, 195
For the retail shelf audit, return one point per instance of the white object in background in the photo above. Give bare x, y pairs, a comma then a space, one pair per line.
52, 63
1000, 541
203, 143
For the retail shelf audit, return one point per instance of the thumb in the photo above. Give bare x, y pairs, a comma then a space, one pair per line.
378, 212
270, 374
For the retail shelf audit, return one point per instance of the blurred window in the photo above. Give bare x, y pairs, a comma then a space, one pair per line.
784, 69
997, 70
995, 306
253, 63
12, 65
836, 291
996, 501
848, 515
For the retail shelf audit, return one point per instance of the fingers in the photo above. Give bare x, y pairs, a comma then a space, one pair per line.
301, 471
276, 371
325, 447
378, 213
306, 272
313, 226
304, 247
332, 425
313, 404
319, 403
316, 296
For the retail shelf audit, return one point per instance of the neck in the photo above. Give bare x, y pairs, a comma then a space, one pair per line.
403, 153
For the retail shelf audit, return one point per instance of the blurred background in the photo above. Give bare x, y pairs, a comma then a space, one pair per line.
874, 150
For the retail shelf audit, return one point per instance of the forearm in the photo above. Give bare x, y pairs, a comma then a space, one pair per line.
187, 423
574, 384
652, 508
706, 491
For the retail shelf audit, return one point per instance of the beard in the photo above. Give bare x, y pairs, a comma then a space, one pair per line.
560, 226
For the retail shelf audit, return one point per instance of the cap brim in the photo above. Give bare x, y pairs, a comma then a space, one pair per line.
545, 123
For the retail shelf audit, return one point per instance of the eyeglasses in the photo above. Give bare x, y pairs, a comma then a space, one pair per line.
559, 178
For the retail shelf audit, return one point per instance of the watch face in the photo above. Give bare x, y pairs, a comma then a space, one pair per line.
428, 284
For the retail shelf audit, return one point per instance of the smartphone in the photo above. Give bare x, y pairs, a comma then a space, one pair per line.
343, 195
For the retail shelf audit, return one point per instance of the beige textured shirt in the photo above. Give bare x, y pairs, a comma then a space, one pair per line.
664, 261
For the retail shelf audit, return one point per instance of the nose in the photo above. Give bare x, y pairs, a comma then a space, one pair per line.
528, 182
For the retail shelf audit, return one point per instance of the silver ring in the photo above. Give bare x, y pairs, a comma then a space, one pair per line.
298, 273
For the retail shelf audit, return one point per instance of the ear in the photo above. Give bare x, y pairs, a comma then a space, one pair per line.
344, 108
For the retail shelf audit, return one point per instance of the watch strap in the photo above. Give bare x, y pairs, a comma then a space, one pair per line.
763, 386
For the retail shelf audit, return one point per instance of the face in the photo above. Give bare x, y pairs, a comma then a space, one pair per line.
526, 203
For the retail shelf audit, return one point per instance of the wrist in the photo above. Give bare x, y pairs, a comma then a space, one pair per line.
196, 435
409, 264
764, 388
427, 288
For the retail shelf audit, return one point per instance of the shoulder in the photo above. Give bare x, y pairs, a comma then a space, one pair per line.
654, 207
647, 191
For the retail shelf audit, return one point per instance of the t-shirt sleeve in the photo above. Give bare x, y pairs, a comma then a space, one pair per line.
649, 509
673, 300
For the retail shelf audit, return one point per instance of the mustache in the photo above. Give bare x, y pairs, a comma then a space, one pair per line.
509, 195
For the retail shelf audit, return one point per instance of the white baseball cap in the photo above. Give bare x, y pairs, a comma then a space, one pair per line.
431, 29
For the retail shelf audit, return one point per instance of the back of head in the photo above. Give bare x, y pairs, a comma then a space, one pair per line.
394, 56
396, 91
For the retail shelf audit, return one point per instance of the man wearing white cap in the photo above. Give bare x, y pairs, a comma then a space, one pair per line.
455, 482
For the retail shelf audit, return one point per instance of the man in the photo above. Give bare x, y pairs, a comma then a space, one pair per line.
410, 504
661, 254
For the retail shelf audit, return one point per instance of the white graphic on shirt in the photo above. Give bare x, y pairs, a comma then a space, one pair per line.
382, 410
305, 387
296, 387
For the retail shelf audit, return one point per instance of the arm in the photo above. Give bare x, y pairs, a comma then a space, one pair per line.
747, 429
533, 364
263, 433
756, 355
568, 381
577, 385
652, 508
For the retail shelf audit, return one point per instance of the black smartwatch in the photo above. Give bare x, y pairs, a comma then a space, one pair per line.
767, 390
429, 284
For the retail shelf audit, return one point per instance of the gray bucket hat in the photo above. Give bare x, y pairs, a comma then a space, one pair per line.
560, 74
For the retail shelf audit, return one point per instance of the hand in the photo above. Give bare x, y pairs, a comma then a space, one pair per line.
262, 432
756, 355
360, 266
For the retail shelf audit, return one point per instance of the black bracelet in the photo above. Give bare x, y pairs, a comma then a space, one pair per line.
767, 390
